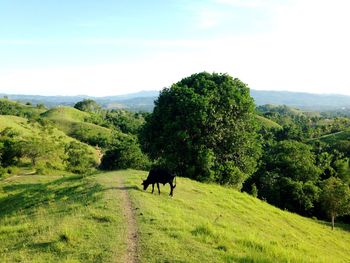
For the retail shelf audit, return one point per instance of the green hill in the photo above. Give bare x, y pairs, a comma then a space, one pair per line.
8, 107
66, 113
33, 129
82, 219
73, 122
266, 123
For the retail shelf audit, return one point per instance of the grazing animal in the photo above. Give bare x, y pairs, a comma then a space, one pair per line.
160, 175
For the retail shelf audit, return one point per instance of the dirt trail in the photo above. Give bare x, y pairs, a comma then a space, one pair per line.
132, 236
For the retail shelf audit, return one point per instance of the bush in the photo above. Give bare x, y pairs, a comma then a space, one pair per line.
125, 153
79, 159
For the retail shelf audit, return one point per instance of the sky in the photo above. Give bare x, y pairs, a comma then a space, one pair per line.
112, 47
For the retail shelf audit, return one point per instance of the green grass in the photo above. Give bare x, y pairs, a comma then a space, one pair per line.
66, 112
60, 219
19, 109
210, 223
72, 122
335, 137
266, 123
19, 124
77, 219
26, 129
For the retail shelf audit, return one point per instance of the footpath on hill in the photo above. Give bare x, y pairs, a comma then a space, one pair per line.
131, 255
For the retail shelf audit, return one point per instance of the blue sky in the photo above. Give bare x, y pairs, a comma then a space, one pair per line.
105, 47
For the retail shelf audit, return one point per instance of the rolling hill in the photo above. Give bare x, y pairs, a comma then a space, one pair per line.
82, 219
73, 122
26, 129
267, 123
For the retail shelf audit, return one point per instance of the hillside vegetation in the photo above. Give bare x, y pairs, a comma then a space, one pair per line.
68, 219
73, 123
267, 123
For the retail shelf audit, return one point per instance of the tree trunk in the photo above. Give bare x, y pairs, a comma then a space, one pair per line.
332, 222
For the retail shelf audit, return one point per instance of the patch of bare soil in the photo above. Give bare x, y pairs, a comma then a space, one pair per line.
132, 236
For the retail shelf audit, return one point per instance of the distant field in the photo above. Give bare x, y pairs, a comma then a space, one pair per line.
80, 219
337, 136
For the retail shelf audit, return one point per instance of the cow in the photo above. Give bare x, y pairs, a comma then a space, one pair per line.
160, 175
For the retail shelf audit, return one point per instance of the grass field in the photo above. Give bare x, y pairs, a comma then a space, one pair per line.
72, 122
60, 219
80, 219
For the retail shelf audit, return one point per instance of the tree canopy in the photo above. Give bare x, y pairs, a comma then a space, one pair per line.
88, 105
203, 128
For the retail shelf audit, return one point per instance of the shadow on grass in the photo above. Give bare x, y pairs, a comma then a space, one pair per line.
339, 225
123, 188
73, 189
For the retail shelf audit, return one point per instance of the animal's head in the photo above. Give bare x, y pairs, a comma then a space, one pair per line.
145, 184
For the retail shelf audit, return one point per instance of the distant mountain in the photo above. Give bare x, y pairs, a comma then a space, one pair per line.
144, 100
302, 100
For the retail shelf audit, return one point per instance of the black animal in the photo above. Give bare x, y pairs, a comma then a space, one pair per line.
160, 175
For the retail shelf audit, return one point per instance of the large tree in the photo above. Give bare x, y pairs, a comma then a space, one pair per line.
88, 105
203, 128
288, 176
335, 198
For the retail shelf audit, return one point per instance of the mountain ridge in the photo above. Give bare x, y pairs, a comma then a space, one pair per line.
143, 100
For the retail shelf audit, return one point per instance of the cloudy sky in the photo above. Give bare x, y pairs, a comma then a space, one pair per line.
110, 47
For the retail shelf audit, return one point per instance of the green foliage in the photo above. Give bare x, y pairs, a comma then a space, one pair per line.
125, 121
88, 105
288, 176
124, 153
203, 128
8, 107
10, 148
38, 148
335, 198
78, 159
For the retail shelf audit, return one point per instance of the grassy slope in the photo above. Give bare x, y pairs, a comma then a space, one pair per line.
267, 123
51, 219
22, 107
69, 119
25, 129
209, 223
60, 219
17, 123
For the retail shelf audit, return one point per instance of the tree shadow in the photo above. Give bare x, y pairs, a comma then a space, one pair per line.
340, 225
123, 188
30, 196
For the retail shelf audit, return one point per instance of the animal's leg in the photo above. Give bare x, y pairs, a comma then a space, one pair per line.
171, 188
158, 188
152, 188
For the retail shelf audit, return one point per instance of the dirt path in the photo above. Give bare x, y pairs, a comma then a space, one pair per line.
132, 236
